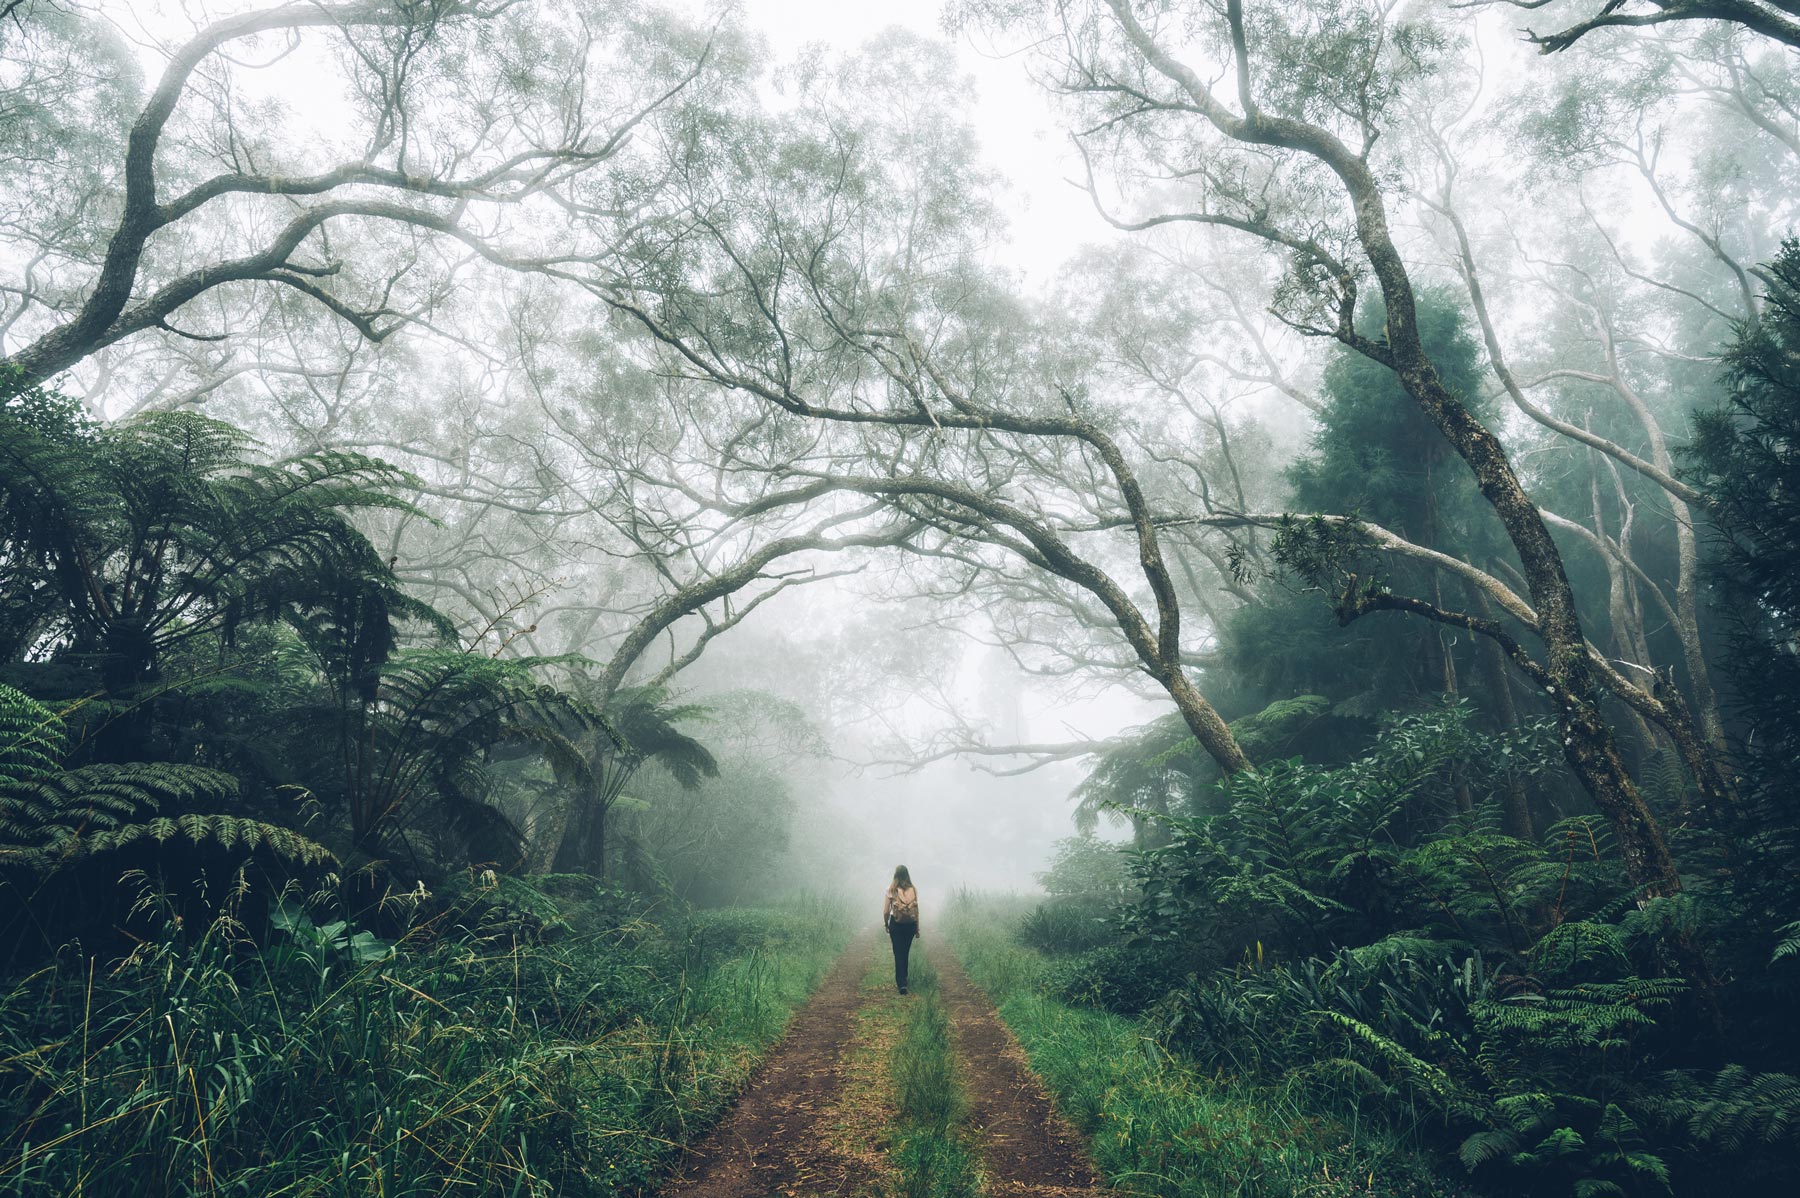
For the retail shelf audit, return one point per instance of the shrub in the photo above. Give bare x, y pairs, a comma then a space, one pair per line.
1065, 926
1125, 979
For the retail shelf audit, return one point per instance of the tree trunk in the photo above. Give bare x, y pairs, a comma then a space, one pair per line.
1588, 742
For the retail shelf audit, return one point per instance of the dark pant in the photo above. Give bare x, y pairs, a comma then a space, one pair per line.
902, 935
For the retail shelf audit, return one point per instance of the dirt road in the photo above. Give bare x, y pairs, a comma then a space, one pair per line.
809, 1125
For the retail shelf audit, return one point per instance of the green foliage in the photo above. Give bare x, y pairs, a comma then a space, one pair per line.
1734, 1110
415, 745
131, 539
53, 818
1159, 1126
1088, 881
1066, 925
1306, 856
322, 945
1086, 867
1376, 454
1161, 769
641, 724
1745, 456
1365, 938
62, 807
647, 723
1376, 457
31, 738
1126, 979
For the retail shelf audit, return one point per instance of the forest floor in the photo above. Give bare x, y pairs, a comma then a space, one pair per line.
816, 1119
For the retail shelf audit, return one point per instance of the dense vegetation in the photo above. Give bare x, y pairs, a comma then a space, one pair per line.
263, 825
477, 479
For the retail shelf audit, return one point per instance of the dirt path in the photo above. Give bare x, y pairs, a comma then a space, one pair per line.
1030, 1151
776, 1142
792, 1135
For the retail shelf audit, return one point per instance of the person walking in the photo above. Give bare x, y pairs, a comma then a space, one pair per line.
900, 913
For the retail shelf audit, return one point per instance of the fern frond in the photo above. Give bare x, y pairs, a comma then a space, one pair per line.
71, 803
1732, 1108
234, 834
1422, 1075
1485, 1146
1789, 944
31, 738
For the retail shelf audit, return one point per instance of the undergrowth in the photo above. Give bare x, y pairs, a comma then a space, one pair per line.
328, 1063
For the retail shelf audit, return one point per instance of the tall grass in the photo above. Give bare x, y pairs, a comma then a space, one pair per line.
457, 1065
931, 1150
1157, 1126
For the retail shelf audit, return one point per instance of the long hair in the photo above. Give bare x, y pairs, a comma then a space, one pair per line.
902, 879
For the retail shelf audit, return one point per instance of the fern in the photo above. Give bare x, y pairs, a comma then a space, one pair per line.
68, 803
1789, 944
166, 528
235, 835
1579, 951
1446, 1093
31, 738
418, 742
1731, 1109
1488, 1145
52, 817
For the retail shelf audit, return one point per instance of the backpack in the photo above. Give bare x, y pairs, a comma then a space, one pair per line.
904, 909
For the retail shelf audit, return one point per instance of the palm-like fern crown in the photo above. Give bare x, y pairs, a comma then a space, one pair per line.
429, 728
646, 719
167, 527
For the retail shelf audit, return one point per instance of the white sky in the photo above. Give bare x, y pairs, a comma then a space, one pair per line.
1021, 136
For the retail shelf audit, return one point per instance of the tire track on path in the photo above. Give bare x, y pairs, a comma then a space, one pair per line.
777, 1141
1029, 1150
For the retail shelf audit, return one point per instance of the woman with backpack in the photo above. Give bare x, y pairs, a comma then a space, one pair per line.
900, 912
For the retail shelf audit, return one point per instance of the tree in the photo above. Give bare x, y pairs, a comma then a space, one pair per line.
1768, 18
869, 319
206, 203
641, 727
1746, 456
413, 753
1311, 143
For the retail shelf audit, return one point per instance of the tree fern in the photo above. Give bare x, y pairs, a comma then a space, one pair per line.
641, 724
416, 734
138, 537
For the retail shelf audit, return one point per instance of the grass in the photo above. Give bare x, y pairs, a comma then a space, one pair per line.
460, 1064
931, 1150
1157, 1127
